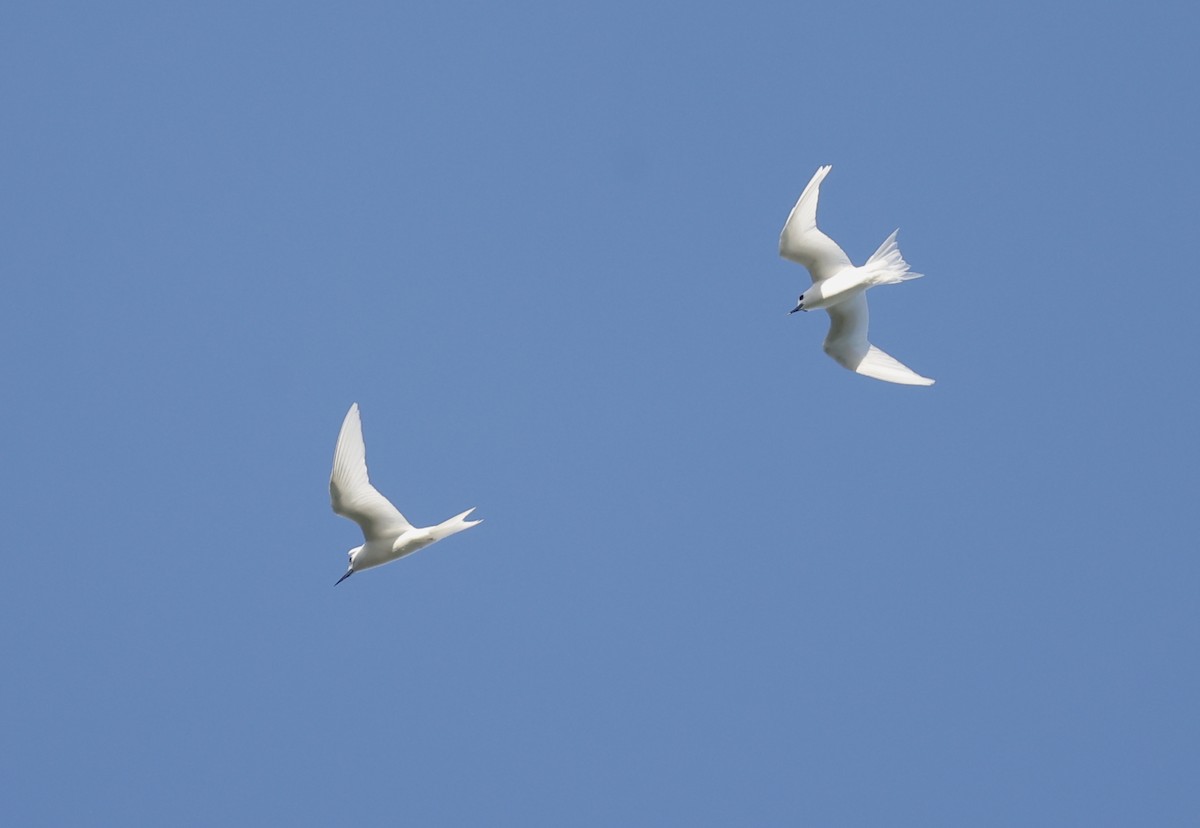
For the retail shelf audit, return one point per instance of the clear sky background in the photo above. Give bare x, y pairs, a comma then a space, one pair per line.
720, 579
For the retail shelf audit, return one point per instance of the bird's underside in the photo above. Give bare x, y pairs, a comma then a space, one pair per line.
801, 241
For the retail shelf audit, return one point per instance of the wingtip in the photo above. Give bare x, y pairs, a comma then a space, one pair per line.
878, 364
351, 414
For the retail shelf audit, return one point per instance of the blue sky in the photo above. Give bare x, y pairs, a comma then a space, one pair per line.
721, 580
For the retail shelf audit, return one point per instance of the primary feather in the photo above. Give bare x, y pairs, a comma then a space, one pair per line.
802, 242
350, 489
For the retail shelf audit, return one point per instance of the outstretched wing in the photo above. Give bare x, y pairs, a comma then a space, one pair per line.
350, 489
847, 343
802, 242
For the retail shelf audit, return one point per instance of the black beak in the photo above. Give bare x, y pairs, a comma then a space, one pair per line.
349, 572
793, 310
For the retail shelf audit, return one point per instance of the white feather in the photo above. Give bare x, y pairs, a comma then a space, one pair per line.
350, 489
841, 288
388, 534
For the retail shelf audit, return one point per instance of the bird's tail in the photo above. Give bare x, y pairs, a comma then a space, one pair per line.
454, 525
886, 266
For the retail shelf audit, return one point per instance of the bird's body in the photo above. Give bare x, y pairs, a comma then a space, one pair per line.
840, 288
379, 552
388, 534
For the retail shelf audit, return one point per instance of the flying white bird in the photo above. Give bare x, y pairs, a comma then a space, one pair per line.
388, 534
841, 288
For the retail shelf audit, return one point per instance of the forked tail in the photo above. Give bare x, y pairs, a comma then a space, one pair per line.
454, 525
887, 266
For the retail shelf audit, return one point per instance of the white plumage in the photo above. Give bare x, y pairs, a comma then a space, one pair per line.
841, 288
388, 534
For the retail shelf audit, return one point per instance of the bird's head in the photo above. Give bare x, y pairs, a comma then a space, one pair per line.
799, 305
352, 554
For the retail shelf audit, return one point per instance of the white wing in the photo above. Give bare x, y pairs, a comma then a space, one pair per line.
802, 242
351, 491
847, 343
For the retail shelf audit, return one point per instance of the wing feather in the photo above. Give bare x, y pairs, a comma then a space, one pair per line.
803, 243
847, 343
350, 490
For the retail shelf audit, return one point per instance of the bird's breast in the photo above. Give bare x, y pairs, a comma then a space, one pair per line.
838, 288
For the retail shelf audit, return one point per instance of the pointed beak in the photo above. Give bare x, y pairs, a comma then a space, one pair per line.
797, 308
349, 572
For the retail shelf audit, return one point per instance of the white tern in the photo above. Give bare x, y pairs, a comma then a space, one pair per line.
841, 288
388, 534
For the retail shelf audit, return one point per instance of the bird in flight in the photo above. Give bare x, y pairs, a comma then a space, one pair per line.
841, 288
388, 534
